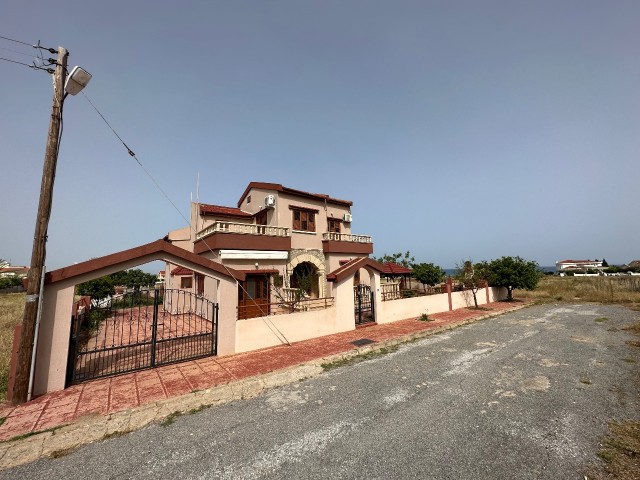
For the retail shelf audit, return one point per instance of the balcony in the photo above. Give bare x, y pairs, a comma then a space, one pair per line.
346, 243
242, 236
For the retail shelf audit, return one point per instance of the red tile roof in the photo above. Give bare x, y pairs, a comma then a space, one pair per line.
391, 268
223, 211
351, 267
181, 271
292, 191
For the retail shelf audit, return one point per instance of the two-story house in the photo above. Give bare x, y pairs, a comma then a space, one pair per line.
277, 236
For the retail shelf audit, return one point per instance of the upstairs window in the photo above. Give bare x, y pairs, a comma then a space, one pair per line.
261, 217
304, 220
334, 225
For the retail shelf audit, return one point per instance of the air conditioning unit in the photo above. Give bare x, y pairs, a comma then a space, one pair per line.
347, 217
270, 201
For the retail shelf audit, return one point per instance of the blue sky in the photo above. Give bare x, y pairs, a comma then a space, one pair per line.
459, 129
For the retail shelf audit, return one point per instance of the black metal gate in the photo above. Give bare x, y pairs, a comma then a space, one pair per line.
364, 304
140, 330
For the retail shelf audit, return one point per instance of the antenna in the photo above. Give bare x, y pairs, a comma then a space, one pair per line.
198, 189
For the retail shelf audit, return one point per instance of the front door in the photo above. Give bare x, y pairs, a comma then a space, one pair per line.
253, 297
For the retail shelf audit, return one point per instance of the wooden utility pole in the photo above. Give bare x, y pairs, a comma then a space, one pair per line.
38, 254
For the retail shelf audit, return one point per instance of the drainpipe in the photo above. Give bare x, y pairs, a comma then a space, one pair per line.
32, 372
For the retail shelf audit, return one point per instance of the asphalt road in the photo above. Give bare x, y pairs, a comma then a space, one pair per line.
527, 395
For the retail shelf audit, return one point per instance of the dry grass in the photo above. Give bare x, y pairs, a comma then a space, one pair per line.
11, 310
623, 290
620, 452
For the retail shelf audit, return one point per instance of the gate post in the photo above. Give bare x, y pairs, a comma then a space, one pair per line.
154, 328
214, 330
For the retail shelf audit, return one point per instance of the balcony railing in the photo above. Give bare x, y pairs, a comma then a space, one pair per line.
346, 237
244, 229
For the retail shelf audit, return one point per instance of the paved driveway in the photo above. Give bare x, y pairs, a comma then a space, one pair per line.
525, 395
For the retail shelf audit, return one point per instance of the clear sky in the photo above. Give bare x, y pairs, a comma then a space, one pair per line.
459, 129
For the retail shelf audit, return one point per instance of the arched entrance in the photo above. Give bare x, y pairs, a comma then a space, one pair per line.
305, 277
307, 265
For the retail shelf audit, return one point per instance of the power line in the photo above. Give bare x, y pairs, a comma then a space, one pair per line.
35, 67
17, 41
17, 52
279, 334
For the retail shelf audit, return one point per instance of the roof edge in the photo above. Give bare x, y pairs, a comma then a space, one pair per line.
292, 191
349, 269
153, 248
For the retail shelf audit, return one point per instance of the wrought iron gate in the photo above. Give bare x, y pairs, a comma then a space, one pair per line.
364, 304
140, 330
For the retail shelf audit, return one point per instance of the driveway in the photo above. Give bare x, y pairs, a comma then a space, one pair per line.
526, 395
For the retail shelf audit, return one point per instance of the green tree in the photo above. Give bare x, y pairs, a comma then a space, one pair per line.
427, 273
7, 282
97, 289
133, 278
405, 259
103, 287
512, 273
473, 277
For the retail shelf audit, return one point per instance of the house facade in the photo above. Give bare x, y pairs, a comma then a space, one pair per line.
568, 265
281, 238
9, 271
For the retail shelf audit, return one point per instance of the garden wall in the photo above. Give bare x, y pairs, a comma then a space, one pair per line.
262, 332
394, 310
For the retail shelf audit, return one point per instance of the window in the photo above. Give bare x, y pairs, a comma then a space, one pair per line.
248, 199
186, 282
334, 225
261, 217
200, 285
304, 220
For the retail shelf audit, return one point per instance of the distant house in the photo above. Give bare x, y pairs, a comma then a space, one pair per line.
12, 271
275, 235
570, 265
634, 264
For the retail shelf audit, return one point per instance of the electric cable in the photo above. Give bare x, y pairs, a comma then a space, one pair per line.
17, 52
17, 41
35, 67
264, 317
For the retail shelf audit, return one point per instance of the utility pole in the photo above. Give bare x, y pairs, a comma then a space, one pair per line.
38, 254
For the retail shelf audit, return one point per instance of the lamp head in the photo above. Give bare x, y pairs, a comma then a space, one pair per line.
77, 80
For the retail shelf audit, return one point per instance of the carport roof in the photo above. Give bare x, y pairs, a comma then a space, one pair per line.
349, 269
161, 249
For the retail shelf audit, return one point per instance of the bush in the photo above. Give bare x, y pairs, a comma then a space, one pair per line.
7, 282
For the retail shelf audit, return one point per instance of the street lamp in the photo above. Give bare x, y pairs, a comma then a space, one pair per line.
77, 80
25, 361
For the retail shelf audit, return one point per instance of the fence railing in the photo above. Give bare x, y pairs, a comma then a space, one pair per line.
346, 237
243, 229
284, 307
392, 291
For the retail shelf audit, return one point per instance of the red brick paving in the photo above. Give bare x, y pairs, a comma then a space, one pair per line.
113, 394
